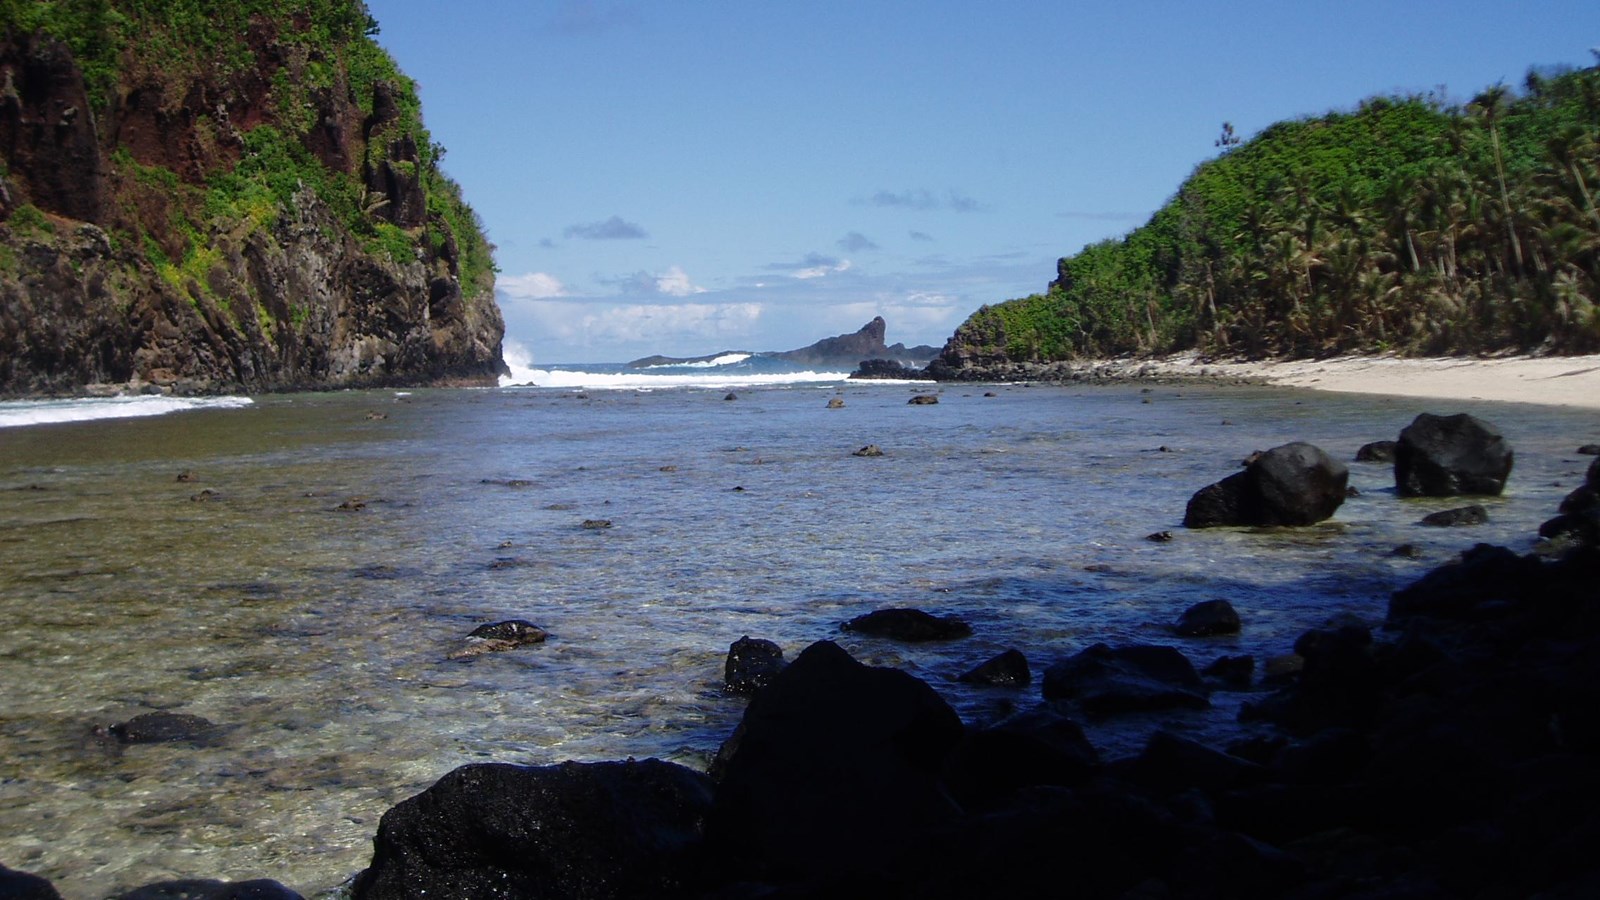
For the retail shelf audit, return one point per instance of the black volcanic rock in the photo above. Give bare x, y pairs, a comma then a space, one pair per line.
1442, 456
1377, 451
911, 625
751, 665
15, 885
888, 369
1137, 678
611, 829
1295, 484
831, 759
208, 889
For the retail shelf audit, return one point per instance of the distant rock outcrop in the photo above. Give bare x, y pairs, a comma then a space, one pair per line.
845, 351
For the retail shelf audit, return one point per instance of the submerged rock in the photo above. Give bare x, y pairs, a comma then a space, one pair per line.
924, 400
1455, 518
1295, 484
610, 829
1443, 456
910, 625
751, 665
165, 727
1008, 669
835, 403
1377, 451
207, 889
868, 450
500, 636
1206, 618
1136, 678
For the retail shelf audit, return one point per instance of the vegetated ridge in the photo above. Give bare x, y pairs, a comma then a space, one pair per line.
1410, 225
226, 196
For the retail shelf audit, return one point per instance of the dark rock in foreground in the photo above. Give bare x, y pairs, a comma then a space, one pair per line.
1039, 746
1137, 678
1443, 456
613, 829
1209, 617
910, 625
751, 665
834, 763
15, 885
1295, 484
206, 889
1008, 669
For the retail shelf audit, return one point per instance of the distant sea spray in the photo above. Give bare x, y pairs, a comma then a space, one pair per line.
729, 370
18, 413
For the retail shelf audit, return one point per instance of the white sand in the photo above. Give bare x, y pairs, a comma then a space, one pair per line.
1550, 380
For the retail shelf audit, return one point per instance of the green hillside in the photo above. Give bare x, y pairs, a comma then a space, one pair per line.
1408, 225
224, 196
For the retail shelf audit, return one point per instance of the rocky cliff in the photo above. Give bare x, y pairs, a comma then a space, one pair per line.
205, 197
848, 350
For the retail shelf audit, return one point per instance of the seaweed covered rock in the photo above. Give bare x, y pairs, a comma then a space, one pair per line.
1295, 484
612, 829
1443, 456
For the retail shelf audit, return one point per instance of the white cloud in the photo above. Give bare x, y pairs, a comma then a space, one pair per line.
596, 325
531, 286
676, 283
821, 271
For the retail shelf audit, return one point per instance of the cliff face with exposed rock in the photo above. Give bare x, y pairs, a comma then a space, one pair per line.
200, 198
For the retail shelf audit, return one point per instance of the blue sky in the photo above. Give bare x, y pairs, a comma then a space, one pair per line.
687, 177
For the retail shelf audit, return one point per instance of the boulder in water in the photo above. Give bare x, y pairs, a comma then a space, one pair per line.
1377, 451
751, 665
1295, 484
1136, 678
1008, 669
910, 625
1443, 456
1456, 518
1209, 617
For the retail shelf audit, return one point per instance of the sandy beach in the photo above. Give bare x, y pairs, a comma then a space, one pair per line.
1550, 380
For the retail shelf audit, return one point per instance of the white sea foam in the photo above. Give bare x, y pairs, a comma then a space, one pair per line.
726, 359
642, 380
14, 414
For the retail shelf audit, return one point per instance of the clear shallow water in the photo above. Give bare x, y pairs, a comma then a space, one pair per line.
320, 634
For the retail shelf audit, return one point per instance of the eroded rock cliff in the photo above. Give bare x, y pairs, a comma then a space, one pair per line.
200, 197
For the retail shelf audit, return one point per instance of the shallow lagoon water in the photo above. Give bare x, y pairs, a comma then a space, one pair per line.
350, 541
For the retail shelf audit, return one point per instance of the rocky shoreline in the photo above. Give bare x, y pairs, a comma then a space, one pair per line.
1452, 749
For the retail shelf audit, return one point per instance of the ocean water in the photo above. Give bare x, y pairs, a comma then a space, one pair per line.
306, 581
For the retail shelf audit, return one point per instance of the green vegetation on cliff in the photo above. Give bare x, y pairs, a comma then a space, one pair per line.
1409, 225
214, 147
